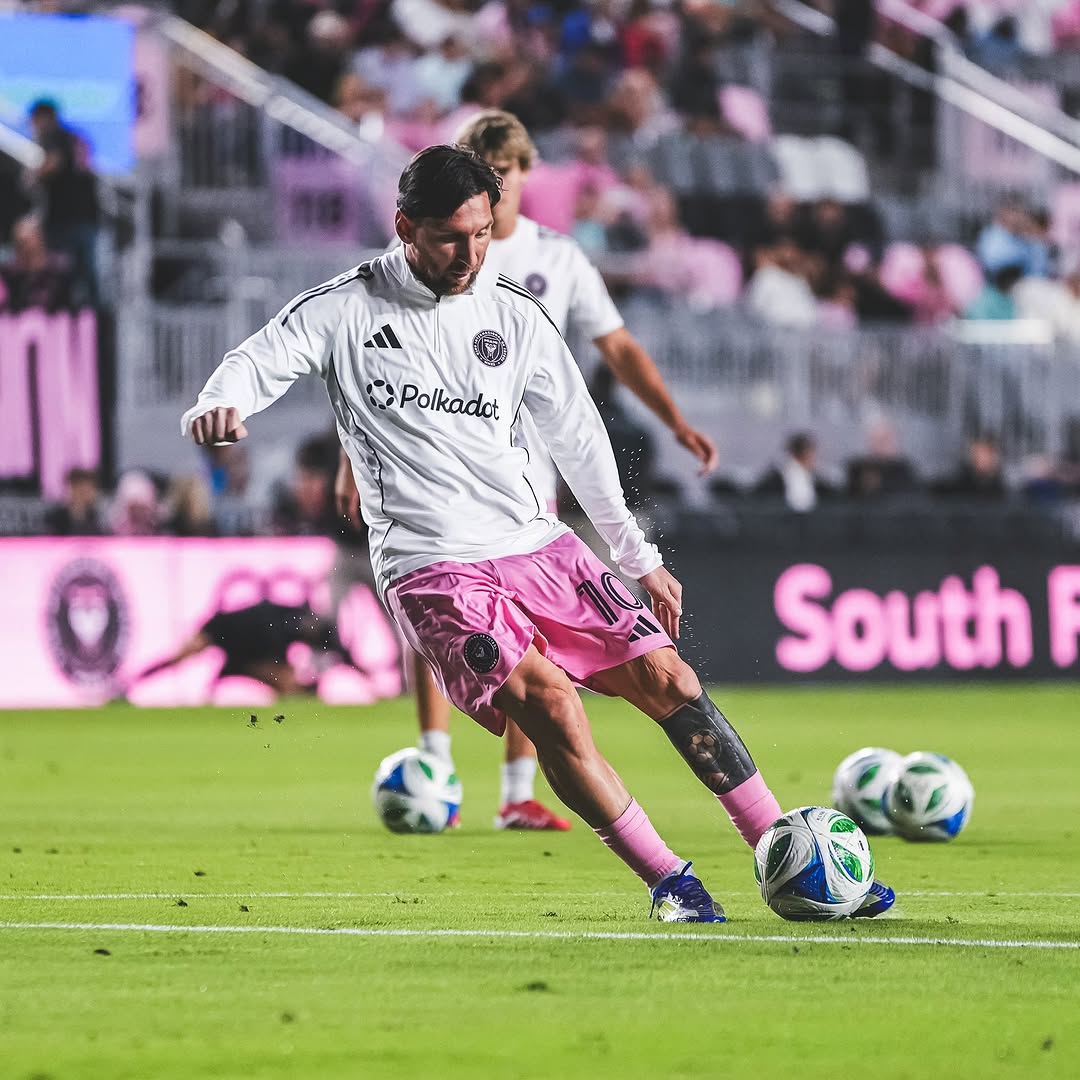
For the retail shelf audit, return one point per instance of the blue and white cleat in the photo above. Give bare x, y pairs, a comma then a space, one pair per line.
879, 899
681, 897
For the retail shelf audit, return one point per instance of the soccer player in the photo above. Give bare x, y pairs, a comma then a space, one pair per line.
427, 371
554, 269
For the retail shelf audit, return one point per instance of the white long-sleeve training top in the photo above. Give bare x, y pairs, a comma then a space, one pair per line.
427, 393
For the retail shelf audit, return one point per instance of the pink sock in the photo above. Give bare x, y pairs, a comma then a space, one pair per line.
752, 806
632, 837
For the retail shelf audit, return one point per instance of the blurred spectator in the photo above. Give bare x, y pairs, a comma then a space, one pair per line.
388, 66
80, 512
228, 469
319, 64
68, 191
980, 475
779, 292
795, 477
998, 49
995, 300
134, 510
1056, 303
305, 507
882, 470
1015, 237
695, 89
637, 108
35, 277
362, 104
187, 509
442, 73
550, 197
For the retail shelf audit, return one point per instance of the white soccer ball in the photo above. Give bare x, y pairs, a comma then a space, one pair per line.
813, 864
415, 792
860, 784
930, 799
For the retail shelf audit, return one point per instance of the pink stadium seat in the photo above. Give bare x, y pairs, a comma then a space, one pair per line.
960, 274
746, 111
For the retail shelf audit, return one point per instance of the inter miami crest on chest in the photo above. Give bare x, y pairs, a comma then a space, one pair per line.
490, 348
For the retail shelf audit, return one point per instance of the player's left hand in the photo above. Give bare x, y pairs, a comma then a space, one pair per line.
700, 445
666, 593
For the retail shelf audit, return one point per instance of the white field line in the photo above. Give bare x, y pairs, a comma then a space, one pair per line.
553, 895
545, 935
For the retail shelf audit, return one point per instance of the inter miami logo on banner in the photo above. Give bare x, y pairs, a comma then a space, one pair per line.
481, 653
490, 348
536, 284
88, 622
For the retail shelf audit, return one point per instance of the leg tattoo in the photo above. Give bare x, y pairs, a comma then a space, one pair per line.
709, 745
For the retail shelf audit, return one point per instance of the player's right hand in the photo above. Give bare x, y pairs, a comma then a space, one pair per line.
665, 592
217, 426
346, 497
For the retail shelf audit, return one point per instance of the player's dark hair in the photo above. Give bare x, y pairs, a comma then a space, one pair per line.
439, 179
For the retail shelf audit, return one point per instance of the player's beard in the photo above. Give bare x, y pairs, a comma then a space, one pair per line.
443, 284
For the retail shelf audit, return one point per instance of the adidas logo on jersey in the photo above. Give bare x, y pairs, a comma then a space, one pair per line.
384, 339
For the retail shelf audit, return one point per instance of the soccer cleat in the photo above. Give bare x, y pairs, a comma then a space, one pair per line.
530, 815
879, 899
681, 897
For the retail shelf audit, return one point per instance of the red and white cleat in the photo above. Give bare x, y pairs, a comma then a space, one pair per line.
530, 815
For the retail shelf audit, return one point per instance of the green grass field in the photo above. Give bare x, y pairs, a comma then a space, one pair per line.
187, 895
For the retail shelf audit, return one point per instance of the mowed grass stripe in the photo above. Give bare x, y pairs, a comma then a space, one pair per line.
553, 894
537, 935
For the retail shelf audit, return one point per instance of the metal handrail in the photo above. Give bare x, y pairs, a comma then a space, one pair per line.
21, 149
279, 98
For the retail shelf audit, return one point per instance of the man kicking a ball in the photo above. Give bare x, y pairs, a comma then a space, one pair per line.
508, 607
553, 268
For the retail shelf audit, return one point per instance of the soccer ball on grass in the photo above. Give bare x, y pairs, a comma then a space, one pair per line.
415, 792
930, 799
860, 784
813, 864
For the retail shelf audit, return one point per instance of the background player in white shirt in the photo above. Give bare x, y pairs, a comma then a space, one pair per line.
554, 268
427, 372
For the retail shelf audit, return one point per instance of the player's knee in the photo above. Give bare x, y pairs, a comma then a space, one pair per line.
672, 680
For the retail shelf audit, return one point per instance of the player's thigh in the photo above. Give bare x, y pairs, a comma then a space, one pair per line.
657, 682
540, 698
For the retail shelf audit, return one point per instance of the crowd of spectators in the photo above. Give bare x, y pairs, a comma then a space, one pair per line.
617, 90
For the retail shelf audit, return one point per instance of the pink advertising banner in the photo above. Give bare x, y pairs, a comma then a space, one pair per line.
83, 617
50, 418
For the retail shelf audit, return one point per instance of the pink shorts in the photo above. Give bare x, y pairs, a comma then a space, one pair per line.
474, 622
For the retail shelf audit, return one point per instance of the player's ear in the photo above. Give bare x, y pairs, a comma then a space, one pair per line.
405, 227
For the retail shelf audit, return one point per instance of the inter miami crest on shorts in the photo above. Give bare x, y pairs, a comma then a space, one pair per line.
481, 653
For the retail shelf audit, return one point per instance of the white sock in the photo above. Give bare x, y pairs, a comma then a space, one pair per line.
437, 743
517, 780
